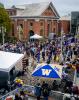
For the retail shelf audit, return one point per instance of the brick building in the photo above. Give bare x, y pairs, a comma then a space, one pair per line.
64, 22
39, 18
28, 19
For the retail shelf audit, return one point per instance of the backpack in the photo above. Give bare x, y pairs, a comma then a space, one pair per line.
45, 91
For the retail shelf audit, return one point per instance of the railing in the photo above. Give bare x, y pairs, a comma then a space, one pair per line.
56, 95
28, 88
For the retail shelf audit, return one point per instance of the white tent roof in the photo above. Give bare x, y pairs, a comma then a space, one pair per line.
36, 36
8, 60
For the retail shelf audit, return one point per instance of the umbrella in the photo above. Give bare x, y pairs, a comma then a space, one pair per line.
36, 36
48, 71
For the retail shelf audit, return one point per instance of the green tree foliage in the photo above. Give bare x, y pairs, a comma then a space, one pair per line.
5, 19
5, 22
1, 5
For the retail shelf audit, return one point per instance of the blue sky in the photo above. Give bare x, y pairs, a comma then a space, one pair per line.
63, 7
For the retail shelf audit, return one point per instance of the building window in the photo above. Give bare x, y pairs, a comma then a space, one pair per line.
41, 32
12, 29
21, 26
48, 28
31, 24
41, 24
54, 30
54, 22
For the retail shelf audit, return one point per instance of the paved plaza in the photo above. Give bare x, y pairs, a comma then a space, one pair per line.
31, 98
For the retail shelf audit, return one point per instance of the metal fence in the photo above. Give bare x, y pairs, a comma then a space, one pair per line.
27, 88
55, 95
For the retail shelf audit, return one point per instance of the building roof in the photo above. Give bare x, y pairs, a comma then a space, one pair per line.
35, 9
66, 17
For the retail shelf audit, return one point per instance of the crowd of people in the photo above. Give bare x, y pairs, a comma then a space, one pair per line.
44, 89
50, 52
17, 47
21, 96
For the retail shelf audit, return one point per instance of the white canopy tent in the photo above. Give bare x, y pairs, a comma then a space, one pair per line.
36, 36
8, 60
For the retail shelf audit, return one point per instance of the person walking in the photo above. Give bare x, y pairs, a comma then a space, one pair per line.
43, 54
38, 91
45, 91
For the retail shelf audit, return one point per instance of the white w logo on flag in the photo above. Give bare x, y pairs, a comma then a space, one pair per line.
46, 71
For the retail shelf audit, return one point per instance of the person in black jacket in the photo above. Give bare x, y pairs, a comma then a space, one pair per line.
45, 90
17, 97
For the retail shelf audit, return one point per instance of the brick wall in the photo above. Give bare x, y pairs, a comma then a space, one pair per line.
40, 26
65, 24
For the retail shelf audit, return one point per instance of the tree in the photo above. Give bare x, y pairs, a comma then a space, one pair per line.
1, 5
5, 20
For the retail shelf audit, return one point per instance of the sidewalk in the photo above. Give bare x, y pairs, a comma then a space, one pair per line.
31, 98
